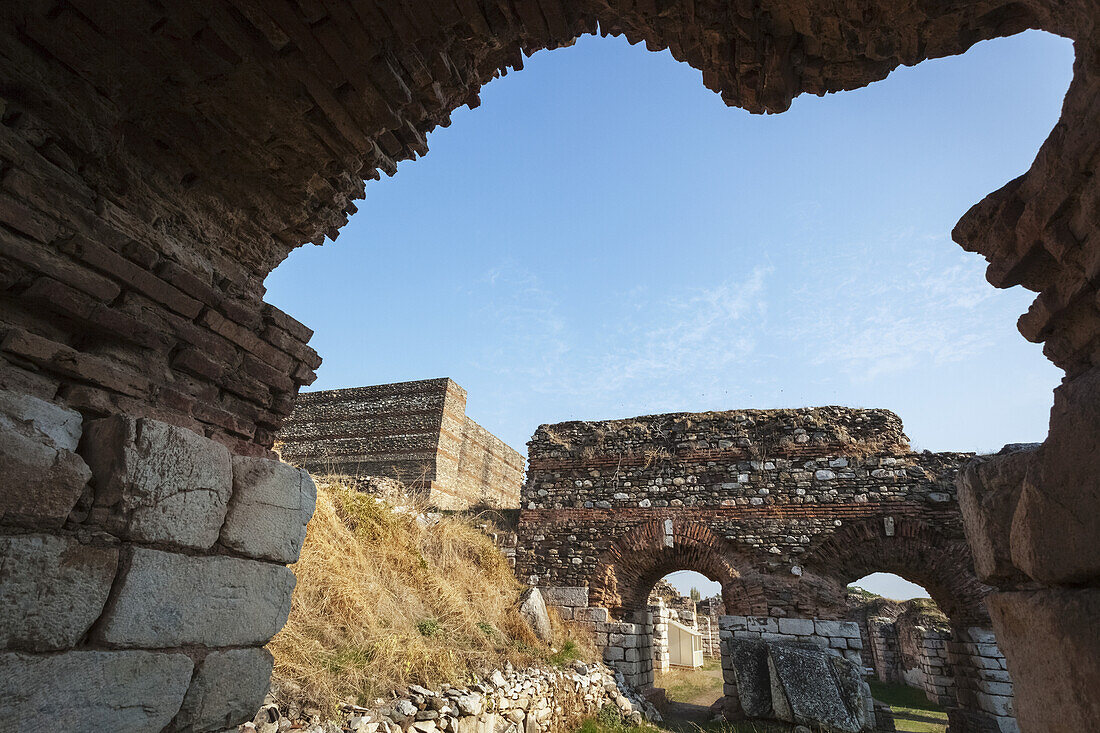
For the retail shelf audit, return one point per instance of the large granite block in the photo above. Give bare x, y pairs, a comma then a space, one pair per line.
271, 504
43, 475
157, 482
169, 600
115, 691
227, 689
52, 589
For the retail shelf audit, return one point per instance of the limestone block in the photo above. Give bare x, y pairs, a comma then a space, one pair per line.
116, 691
157, 482
43, 475
52, 589
810, 687
801, 626
169, 600
1066, 495
1053, 651
533, 610
575, 597
989, 489
227, 689
749, 662
271, 504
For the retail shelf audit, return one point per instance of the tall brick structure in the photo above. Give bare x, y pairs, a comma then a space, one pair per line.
158, 159
784, 508
417, 432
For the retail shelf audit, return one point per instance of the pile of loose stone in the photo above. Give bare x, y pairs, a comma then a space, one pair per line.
531, 700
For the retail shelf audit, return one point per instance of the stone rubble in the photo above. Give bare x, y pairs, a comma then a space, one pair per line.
531, 700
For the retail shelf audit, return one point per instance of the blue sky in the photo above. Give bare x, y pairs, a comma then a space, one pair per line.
603, 238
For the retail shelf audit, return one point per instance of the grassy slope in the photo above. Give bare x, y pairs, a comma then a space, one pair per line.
382, 602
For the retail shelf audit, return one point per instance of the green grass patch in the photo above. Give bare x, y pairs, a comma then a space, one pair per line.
913, 711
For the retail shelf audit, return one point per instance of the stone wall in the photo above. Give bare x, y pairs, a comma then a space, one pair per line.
151, 569
784, 507
532, 700
416, 432
157, 160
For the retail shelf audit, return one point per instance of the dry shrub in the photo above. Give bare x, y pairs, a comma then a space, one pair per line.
382, 602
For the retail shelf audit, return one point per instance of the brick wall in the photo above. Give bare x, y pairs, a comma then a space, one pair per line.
417, 432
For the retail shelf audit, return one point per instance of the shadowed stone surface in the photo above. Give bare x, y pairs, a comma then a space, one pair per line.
169, 600
1038, 631
42, 476
748, 660
51, 590
157, 482
271, 505
101, 691
227, 689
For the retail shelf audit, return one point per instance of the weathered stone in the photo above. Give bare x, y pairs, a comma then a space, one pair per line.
51, 590
1039, 631
271, 504
989, 490
116, 691
812, 687
749, 660
574, 597
1066, 494
226, 690
157, 482
168, 600
533, 610
43, 476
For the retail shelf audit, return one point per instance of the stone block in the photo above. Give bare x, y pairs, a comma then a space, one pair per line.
1035, 628
532, 609
116, 691
156, 482
271, 504
749, 662
810, 687
52, 589
599, 615
168, 600
43, 475
613, 654
800, 626
1066, 493
989, 489
226, 690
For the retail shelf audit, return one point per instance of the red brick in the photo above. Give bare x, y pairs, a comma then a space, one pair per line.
284, 342
48, 262
266, 374
140, 279
93, 315
244, 338
290, 325
62, 359
193, 361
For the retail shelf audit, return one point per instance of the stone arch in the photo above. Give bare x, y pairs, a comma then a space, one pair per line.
627, 571
162, 158
912, 549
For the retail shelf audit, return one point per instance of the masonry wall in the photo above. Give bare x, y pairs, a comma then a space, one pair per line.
417, 432
771, 486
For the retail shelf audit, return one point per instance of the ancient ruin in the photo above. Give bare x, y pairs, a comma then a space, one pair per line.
415, 432
784, 508
157, 160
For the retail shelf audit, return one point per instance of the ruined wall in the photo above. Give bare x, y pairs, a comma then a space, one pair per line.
158, 159
784, 508
759, 496
417, 432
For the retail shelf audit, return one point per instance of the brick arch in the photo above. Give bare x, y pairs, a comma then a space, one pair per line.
916, 551
628, 570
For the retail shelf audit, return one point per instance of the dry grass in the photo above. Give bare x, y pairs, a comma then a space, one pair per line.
382, 602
